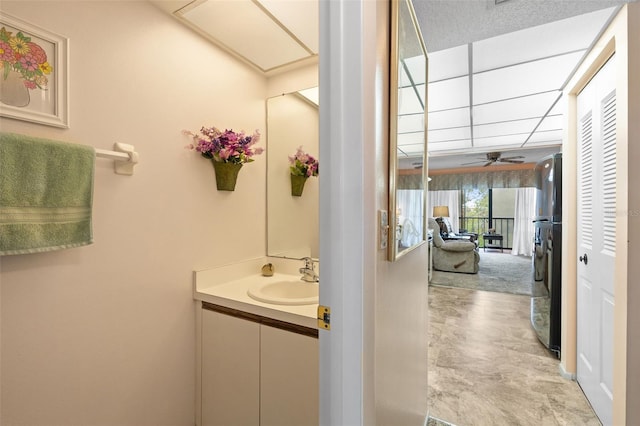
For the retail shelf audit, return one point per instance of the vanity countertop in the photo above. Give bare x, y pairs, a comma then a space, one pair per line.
228, 285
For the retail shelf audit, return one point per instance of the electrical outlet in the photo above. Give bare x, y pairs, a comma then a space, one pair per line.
383, 216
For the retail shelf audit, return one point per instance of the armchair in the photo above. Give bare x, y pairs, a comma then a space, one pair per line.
446, 231
453, 255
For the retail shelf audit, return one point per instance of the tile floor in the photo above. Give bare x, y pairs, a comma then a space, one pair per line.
487, 367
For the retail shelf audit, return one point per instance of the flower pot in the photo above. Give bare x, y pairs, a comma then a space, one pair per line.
13, 91
297, 184
226, 175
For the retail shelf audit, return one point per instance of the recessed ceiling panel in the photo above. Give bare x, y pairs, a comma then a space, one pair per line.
505, 128
415, 68
511, 140
411, 144
514, 109
449, 63
244, 28
449, 134
551, 122
411, 123
301, 17
541, 41
411, 150
449, 146
524, 79
449, 94
410, 102
447, 119
546, 136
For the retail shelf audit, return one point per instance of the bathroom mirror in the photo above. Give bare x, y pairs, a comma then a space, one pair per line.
407, 137
292, 221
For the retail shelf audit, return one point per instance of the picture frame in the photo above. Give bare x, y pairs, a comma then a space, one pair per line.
34, 73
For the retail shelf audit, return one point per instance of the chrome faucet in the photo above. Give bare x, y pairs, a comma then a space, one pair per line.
308, 273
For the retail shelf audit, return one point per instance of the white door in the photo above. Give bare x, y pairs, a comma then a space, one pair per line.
596, 239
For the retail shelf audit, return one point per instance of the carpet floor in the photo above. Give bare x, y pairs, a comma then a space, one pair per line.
500, 272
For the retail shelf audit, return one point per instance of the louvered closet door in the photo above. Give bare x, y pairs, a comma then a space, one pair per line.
596, 238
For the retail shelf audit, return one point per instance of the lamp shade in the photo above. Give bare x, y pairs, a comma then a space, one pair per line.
441, 211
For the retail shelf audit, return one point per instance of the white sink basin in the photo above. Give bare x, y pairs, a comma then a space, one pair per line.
285, 292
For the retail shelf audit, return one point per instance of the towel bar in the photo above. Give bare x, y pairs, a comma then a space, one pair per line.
124, 156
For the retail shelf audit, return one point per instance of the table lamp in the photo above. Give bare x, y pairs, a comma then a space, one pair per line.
441, 211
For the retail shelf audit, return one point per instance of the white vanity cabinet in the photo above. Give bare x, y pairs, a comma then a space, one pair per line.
256, 370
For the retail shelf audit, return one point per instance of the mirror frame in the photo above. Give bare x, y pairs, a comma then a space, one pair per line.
394, 103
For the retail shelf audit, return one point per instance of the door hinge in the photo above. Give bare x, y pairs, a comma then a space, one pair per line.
324, 317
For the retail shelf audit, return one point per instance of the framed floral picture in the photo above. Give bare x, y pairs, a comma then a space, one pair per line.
33, 73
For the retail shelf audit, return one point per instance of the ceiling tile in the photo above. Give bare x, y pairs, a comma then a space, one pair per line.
505, 128
410, 102
415, 67
449, 63
511, 140
449, 146
551, 122
449, 94
411, 123
301, 17
524, 79
514, 109
537, 42
253, 40
447, 119
546, 136
449, 134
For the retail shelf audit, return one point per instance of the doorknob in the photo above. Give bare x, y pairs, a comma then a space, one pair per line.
584, 258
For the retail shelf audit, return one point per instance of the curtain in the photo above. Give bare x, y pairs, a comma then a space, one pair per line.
523, 228
483, 180
409, 204
450, 199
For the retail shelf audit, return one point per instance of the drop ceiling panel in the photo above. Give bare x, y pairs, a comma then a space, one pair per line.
449, 134
449, 94
537, 42
514, 109
243, 27
415, 67
447, 119
505, 128
449, 63
546, 136
307, 30
511, 140
449, 146
524, 79
410, 102
413, 138
551, 122
411, 123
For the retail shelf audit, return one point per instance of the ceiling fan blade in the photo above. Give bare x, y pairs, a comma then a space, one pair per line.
507, 160
512, 158
488, 163
473, 162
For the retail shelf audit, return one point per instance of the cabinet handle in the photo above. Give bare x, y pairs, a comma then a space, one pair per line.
584, 259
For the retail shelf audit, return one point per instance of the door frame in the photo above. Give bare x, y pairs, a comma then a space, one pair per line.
613, 40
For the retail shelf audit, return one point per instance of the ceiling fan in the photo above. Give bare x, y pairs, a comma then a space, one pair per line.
496, 157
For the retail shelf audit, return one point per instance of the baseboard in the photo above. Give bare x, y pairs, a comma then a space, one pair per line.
565, 374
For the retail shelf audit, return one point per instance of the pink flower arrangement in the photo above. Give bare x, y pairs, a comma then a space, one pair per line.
227, 146
20, 54
303, 164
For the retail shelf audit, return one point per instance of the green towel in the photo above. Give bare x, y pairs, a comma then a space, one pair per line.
46, 194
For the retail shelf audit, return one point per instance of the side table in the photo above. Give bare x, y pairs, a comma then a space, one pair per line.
491, 238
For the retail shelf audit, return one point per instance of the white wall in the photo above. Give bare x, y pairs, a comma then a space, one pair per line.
105, 334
